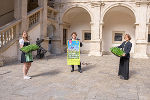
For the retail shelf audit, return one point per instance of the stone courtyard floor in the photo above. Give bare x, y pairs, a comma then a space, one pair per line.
52, 80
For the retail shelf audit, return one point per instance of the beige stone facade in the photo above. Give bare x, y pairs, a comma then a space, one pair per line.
100, 24
104, 18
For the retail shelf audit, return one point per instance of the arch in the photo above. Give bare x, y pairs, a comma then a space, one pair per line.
117, 5
78, 6
76, 19
117, 18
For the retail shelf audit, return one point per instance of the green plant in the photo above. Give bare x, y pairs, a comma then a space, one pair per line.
117, 51
29, 48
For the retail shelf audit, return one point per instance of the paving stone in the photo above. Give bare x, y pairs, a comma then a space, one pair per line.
52, 80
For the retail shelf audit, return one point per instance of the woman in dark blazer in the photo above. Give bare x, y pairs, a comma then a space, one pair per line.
124, 60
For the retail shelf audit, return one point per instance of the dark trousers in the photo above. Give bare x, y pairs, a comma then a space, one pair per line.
79, 66
124, 67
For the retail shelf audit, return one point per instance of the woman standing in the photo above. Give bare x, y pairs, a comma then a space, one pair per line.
124, 60
26, 58
74, 37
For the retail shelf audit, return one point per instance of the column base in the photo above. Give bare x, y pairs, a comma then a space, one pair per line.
141, 50
47, 54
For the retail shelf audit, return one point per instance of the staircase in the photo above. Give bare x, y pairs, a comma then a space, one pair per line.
8, 36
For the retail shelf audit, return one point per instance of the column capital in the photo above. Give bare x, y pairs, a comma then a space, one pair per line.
102, 23
97, 4
148, 24
92, 23
139, 3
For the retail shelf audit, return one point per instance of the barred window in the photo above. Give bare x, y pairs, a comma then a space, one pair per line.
86, 35
117, 36
148, 37
64, 36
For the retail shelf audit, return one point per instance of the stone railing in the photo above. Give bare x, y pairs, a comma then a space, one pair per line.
51, 13
34, 17
8, 32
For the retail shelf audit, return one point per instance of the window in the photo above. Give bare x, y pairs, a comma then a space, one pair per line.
148, 37
64, 36
118, 36
50, 3
32, 4
86, 35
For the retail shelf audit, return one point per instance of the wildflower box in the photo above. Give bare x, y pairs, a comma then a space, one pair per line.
117, 51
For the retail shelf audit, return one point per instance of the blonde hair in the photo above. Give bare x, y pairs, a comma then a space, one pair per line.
26, 34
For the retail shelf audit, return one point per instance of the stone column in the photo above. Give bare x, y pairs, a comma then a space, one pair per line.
17, 15
57, 40
101, 36
17, 10
141, 32
24, 17
95, 40
43, 18
95, 32
20, 13
61, 37
43, 23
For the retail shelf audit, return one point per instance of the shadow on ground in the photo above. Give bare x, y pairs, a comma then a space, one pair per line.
132, 73
88, 67
52, 72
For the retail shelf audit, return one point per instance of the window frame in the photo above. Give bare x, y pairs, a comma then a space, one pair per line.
113, 37
65, 32
83, 34
147, 38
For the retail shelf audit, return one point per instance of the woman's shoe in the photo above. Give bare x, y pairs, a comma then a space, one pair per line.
72, 70
121, 77
27, 77
125, 78
80, 71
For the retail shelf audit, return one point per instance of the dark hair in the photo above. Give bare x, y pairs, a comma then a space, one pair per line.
128, 36
74, 33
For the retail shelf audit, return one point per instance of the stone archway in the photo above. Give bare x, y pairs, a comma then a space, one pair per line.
77, 19
117, 20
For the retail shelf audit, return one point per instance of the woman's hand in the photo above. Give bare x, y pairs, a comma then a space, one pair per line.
123, 54
21, 46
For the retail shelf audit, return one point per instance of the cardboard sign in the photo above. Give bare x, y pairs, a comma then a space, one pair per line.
73, 52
